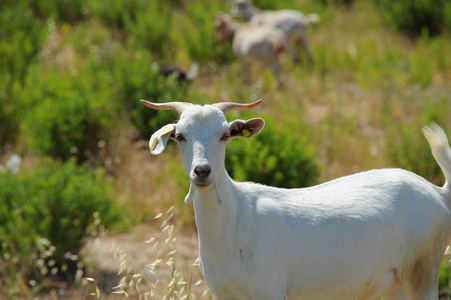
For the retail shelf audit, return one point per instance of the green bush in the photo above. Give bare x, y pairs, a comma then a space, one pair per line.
274, 157
413, 17
445, 276
132, 75
199, 33
69, 11
150, 32
114, 13
9, 116
138, 78
21, 37
347, 3
147, 23
58, 202
69, 112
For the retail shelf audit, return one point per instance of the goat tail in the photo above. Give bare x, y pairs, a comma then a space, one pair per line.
438, 142
313, 18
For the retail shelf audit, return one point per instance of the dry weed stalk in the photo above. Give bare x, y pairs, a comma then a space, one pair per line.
150, 285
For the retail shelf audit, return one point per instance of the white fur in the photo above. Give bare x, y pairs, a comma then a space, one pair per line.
293, 23
264, 44
380, 233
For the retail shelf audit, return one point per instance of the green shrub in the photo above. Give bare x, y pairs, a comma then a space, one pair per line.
114, 13
413, 17
347, 3
58, 202
21, 37
132, 75
9, 116
445, 276
274, 157
137, 78
147, 23
199, 33
151, 32
69, 11
69, 112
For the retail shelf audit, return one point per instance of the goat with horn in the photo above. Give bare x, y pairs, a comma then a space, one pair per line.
380, 233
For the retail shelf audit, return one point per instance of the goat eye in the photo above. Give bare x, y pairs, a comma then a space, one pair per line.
225, 137
179, 137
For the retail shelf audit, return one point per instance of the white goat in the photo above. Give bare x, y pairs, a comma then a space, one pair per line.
293, 23
265, 44
380, 233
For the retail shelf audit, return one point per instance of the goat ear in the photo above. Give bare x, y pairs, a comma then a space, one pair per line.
159, 139
246, 128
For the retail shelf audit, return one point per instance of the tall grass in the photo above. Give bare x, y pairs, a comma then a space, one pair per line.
166, 275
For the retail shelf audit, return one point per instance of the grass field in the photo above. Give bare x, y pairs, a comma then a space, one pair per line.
360, 106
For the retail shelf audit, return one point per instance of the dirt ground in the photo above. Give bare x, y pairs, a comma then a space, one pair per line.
160, 255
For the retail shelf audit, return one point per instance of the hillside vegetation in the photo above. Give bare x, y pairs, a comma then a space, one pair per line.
72, 74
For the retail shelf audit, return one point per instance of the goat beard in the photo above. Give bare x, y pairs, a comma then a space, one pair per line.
190, 196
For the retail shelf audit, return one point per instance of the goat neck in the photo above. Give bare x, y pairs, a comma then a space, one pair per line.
250, 12
216, 218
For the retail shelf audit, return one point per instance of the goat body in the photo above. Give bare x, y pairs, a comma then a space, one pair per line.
264, 44
380, 233
293, 23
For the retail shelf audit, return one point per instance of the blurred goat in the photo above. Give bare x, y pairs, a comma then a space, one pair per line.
293, 23
177, 72
265, 44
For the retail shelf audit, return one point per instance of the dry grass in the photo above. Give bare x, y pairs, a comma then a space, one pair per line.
152, 261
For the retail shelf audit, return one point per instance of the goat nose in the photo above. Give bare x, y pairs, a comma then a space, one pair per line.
202, 171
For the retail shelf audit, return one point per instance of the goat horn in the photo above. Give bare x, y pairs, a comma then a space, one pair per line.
177, 106
226, 106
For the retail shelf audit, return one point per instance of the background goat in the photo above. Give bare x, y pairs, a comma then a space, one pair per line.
293, 23
380, 233
179, 74
264, 44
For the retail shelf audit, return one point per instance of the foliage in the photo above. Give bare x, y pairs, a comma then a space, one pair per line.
21, 36
152, 33
346, 3
69, 11
138, 78
136, 19
70, 112
201, 42
274, 157
408, 149
445, 276
58, 202
413, 17
115, 13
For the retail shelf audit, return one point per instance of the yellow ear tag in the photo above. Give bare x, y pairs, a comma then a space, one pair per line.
246, 133
153, 143
157, 136
166, 129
